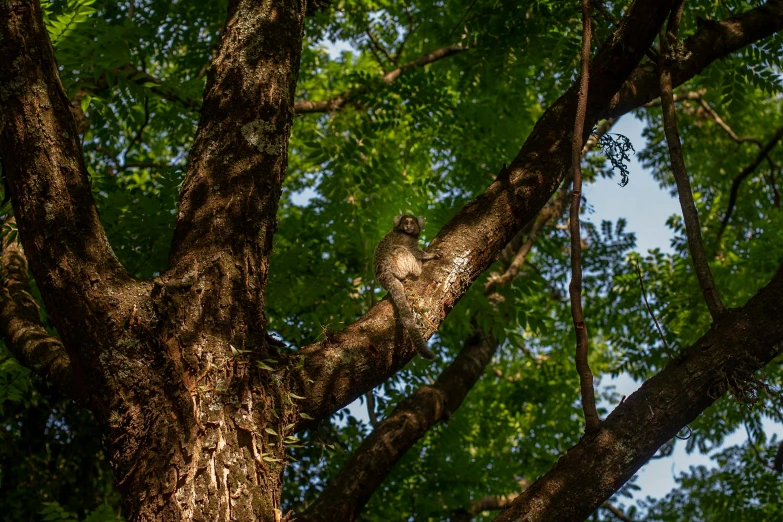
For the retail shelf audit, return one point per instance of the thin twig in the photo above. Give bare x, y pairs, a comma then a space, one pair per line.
136, 140
739, 178
371, 408
592, 421
649, 310
755, 449
379, 47
723, 125
689, 212
616, 512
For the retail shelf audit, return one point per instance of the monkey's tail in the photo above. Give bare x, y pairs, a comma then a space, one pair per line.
397, 291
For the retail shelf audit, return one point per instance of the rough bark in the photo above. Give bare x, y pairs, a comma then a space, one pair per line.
723, 359
195, 430
84, 287
418, 413
171, 367
711, 41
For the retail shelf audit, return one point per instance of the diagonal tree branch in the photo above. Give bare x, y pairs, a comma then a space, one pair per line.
689, 213
341, 100
711, 41
364, 354
723, 359
346, 495
50, 191
739, 178
375, 43
21, 328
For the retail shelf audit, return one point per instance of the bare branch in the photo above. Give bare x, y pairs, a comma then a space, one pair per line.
739, 178
689, 213
339, 101
594, 469
649, 311
370, 396
592, 421
139, 133
723, 125
711, 41
616, 512
366, 352
21, 328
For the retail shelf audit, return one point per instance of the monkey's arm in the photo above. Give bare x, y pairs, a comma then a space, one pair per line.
424, 256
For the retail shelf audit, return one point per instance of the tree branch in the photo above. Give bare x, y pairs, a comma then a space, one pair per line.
689, 213
341, 100
367, 352
339, 369
592, 421
21, 328
375, 43
405, 433
345, 496
229, 198
80, 279
723, 359
739, 178
711, 41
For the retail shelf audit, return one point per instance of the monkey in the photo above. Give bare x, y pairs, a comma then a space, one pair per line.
778, 464
398, 257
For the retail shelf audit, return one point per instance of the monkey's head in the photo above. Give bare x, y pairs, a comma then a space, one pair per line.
408, 224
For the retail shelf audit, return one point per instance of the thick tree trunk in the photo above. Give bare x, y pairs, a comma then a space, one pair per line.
219, 458
177, 370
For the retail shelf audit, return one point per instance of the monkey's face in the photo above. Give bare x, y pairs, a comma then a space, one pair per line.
409, 225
